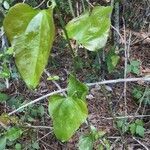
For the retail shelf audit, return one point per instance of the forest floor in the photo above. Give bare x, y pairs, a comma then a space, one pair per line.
123, 102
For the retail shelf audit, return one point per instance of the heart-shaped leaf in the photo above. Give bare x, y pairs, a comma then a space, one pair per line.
91, 29
31, 33
67, 115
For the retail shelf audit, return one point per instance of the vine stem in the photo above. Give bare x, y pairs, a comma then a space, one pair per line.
62, 22
88, 84
65, 31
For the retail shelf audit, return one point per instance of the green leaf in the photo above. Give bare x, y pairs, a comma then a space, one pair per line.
137, 93
86, 142
123, 125
2, 86
139, 122
96, 134
136, 70
76, 88
15, 102
135, 67
100, 147
133, 128
16, 23
67, 115
120, 123
31, 34
18, 146
3, 97
10, 51
107, 144
41, 111
2, 143
91, 29
112, 60
35, 145
135, 63
140, 130
5, 73
13, 133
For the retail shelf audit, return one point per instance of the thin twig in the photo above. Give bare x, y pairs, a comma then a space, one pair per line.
141, 100
50, 147
40, 4
116, 15
43, 136
122, 40
125, 68
114, 143
141, 143
119, 81
36, 100
38, 127
90, 4
124, 117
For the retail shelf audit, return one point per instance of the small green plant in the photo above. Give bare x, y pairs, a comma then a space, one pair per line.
5, 57
135, 128
112, 60
11, 135
3, 97
134, 67
86, 142
123, 125
141, 95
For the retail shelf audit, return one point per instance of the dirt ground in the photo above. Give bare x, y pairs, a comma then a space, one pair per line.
99, 114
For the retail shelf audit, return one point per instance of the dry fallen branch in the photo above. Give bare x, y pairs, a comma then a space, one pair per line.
37, 100
126, 117
88, 84
119, 81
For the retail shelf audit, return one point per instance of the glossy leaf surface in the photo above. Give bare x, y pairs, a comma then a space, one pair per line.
31, 36
91, 29
67, 115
